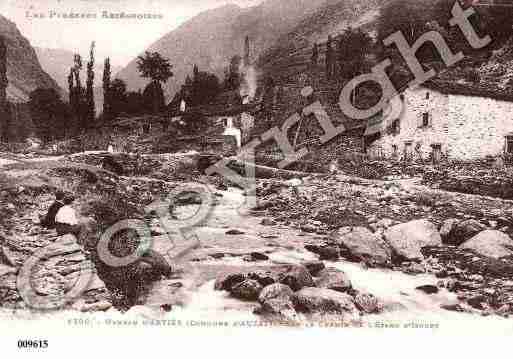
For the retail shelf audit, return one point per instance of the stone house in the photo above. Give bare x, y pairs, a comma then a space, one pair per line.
227, 115
444, 120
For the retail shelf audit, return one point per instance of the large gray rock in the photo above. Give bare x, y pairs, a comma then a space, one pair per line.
332, 278
275, 300
464, 231
407, 239
314, 267
279, 307
296, 277
364, 246
274, 291
263, 277
368, 303
227, 281
325, 251
248, 290
325, 301
490, 243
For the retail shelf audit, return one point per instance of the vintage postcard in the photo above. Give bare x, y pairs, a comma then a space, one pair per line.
208, 166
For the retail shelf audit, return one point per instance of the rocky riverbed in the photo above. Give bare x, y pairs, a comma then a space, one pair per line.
333, 246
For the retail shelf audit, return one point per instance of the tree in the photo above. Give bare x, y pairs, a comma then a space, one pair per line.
200, 90
413, 18
77, 92
497, 20
232, 78
89, 115
408, 16
205, 87
157, 68
117, 96
106, 89
154, 99
134, 103
50, 115
353, 48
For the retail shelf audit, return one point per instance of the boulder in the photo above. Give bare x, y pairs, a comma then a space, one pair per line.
279, 307
428, 289
158, 263
368, 303
234, 232
314, 267
490, 243
409, 238
274, 291
257, 256
325, 252
362, 245
454, 307
447, 229
296, 277
248, 290
320, 300
268, 222
275, 300
478, 302
463, 231
332, 278
228, 280
413, 268
265, 278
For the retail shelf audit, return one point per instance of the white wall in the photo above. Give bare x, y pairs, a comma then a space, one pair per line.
466, 127
414, 105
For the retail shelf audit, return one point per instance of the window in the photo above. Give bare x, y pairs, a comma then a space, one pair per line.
509, 144
425, 119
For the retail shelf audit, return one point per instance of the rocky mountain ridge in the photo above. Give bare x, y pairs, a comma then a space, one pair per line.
211, 38
24, 70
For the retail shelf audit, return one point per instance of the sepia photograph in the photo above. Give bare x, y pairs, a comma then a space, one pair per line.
252, 167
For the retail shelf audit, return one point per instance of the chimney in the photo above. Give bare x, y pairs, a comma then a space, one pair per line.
246, 52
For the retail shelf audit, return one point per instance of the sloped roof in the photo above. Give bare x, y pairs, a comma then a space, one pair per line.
488, 90
228, 103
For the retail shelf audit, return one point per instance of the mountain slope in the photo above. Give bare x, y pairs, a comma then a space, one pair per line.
213, 37
330, 19
57, 62
24, 71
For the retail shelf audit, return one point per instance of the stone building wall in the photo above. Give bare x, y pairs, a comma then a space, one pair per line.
464, 127
412, 134
478, 126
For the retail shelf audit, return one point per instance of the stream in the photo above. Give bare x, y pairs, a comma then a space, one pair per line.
192, 296
198, 299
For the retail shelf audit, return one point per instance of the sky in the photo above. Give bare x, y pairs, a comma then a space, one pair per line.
43, 22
